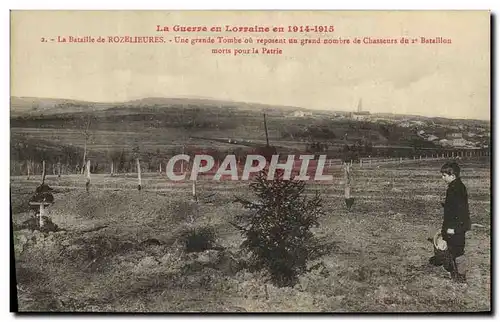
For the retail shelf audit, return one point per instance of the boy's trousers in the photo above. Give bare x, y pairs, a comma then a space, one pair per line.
456, 245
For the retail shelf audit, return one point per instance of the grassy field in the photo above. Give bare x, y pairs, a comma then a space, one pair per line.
121, 249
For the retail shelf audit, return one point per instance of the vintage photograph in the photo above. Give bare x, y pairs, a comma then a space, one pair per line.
250, 161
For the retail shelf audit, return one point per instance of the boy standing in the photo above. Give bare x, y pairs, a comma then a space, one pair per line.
456, 221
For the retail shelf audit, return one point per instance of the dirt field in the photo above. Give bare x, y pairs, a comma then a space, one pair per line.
120, 250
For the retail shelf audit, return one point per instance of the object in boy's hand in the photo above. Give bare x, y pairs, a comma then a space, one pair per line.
442, 255
439, 242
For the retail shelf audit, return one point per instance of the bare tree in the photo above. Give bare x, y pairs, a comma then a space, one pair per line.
87, 136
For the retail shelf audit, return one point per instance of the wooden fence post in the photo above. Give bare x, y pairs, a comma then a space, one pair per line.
139, 186
28, 165
349, 201
195, 197
347, 179
43, 172
87, 184
112, 168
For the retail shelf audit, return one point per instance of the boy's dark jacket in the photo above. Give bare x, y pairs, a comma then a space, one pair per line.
456, 208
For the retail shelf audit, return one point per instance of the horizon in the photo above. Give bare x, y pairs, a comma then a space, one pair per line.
249, 103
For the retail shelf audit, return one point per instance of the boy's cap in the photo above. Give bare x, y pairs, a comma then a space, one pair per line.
439, 242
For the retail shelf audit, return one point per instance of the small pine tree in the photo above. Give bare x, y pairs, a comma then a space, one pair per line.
276, 231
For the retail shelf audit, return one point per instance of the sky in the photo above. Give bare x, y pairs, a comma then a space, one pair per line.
448, 80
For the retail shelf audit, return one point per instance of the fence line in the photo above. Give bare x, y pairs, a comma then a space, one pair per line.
31, 169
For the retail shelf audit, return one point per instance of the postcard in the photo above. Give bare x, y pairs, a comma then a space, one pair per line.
250, 161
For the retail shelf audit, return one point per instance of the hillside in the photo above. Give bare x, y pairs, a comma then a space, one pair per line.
161, 127
35, 106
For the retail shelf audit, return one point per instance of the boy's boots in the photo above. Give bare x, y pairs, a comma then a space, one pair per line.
460, 278
459, 274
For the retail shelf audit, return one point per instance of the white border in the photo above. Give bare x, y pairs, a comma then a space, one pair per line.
258, 4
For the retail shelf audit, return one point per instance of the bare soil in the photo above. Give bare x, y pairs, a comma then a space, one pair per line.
121, 249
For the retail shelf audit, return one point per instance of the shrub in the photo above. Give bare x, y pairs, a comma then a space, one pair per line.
199, 239
276, 231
